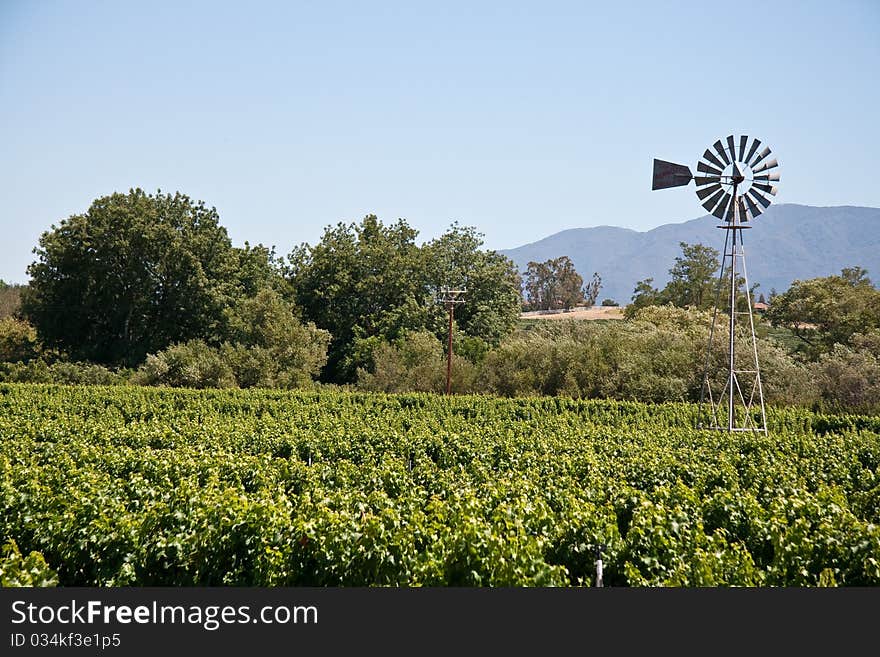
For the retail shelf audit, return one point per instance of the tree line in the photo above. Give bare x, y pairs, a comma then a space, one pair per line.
148, 288
138, 274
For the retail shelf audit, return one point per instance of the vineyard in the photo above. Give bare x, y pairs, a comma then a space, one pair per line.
142, 486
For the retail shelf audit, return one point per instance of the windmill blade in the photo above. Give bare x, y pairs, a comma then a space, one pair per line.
708, 191
772, 164
759, 198
766, 177
732, 148
742, 209
709, 155
752, 150
765, 188
707, 180
721, 210
702, 167
760, 157
754, 210
720, 149
713, 200
669, 174
731, 211
742, 147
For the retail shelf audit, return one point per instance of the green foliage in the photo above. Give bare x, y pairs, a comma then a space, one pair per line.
156, 487
192, 364
10, 299
417, 363
361, 280
60, 371
658, 356
18, 340
644, 295
692, 284
848, 378
827, 311
17, 570
493, 300
273, 349
555, 284
693, 277
369, 283
136, 273
609, 302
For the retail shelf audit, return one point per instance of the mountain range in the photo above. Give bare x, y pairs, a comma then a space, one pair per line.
786, 243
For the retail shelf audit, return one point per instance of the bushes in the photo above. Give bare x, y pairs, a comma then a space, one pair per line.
658, 356
416, 364
272, 350
849, 378
18, 340
64, 372
192, 364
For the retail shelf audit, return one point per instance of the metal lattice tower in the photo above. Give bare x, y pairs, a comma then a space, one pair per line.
731, 190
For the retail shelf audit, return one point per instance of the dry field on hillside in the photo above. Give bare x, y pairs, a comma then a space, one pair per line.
596, 312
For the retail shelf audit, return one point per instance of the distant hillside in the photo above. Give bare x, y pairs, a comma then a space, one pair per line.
787, 242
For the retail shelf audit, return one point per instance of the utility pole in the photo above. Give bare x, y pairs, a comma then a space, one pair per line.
450, 298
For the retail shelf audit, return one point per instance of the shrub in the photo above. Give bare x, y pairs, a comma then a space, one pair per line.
415, 364
18, 340
273, 349
192, 364
64, 372
849, 379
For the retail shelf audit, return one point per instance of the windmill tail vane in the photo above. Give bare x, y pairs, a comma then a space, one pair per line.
733, 180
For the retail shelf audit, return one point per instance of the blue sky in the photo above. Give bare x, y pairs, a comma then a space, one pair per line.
521, 119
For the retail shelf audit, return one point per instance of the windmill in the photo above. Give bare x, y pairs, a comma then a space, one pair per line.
732, 184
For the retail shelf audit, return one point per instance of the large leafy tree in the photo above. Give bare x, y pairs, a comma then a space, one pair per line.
369, 283
135, 273
692, 283
360, 281
492, 299
829, 310
692, 277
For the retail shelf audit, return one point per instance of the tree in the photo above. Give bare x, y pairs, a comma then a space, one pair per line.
829, 310
10, 299
591, 290
370, 284
693, 280
136, 273
273, 349
492, 301
644, 295
359, 282
537, 286
555, 283
693, 277
416, 363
